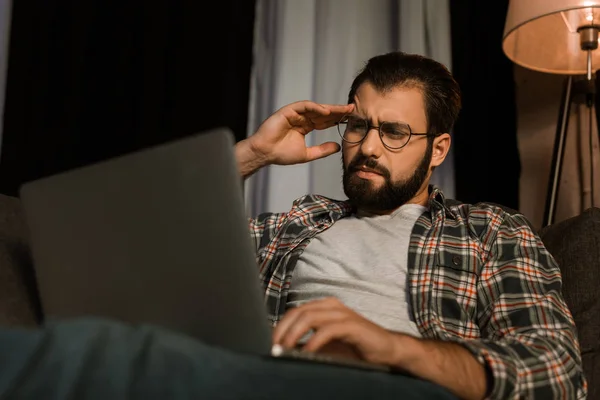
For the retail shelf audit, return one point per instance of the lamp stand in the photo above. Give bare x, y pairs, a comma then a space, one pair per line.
588, 40
571, 89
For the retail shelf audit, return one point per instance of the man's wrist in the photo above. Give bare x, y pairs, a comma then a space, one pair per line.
406, 350
259, 156
249, 159
447, 364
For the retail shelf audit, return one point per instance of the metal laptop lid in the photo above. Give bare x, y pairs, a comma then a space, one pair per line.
157, 236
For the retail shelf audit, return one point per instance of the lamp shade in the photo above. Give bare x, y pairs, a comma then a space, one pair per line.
542, 34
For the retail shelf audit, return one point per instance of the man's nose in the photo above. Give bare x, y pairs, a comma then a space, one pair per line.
371, 146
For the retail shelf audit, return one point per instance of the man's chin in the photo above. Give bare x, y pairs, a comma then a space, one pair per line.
360, 191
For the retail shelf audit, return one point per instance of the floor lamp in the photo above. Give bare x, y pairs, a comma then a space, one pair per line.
557, 37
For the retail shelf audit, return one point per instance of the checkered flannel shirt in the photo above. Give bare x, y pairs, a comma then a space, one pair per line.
478, 276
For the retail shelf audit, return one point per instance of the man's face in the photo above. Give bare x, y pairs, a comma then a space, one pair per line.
376, 178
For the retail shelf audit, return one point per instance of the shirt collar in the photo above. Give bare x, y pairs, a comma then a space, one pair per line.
437, 206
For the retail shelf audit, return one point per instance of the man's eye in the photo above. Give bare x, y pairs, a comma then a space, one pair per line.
355, 124
396, 130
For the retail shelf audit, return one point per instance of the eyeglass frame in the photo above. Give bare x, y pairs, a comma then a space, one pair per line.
370, 127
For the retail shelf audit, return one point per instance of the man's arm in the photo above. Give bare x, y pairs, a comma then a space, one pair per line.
280, 140
445, 363
528, 336
528, 346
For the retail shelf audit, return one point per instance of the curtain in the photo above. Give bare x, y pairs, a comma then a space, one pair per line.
486, 152
312, 50
5, 16
89, 80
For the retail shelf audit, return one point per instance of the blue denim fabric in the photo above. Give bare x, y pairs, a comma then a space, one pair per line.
101, 359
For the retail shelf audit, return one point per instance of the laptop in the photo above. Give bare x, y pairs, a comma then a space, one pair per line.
156, 236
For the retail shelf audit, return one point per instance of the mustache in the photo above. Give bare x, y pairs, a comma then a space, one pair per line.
368, 162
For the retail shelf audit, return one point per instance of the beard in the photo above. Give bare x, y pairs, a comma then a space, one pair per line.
391, 195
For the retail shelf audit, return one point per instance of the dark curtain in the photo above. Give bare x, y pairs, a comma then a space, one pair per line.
487, 163
89, 80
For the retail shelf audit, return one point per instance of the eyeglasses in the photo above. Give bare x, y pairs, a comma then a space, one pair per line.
393, 135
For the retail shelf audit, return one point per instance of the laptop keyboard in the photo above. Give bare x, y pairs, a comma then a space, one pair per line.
279, 352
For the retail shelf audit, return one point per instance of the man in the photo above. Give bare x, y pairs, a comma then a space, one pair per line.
465, 296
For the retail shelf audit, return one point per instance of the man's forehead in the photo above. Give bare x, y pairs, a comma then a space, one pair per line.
368, 91
399, 103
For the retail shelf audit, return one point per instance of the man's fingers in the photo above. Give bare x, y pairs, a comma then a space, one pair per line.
327, 304
336, 113
322, 150
302, 123
339, 108
307, 321
307, 107
339, 330
328, 122
306, 116
316, 110
305, 123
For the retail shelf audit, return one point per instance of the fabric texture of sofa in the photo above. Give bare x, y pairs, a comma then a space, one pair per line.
575, 244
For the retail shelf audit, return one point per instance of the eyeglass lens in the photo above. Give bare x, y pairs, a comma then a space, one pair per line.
393, 134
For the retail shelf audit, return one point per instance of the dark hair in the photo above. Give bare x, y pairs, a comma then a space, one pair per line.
441, 92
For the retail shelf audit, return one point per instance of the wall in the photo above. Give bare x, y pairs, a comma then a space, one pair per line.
538, 101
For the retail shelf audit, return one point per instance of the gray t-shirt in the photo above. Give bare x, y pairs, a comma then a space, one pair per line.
362, 260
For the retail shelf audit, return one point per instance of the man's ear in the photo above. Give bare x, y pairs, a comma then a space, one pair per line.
441, 146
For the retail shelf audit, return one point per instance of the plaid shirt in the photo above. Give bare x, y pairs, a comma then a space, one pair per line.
478, 276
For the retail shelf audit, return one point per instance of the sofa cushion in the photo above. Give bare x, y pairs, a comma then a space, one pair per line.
19, 304
575, 244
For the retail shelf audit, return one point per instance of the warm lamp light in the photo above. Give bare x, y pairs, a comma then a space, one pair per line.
548, 35
557, 37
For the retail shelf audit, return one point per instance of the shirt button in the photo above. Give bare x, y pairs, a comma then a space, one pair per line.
456, 260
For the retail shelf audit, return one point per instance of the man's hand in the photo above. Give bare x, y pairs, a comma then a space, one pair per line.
337, 329
281, 138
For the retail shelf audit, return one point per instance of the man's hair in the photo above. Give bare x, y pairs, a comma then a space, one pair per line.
441, 93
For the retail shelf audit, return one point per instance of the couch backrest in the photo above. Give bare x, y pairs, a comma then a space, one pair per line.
575, 244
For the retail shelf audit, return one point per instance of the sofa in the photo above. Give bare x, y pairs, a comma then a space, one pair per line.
575, 244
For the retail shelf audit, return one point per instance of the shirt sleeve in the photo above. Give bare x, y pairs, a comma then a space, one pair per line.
264, 228
528, 339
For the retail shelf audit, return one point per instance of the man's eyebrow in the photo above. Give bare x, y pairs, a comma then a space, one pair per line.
355, 115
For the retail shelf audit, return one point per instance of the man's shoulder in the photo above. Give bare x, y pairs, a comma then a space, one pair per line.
486, 207
486, 213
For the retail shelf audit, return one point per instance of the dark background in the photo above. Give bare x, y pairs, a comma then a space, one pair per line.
88, 80
92, 79
487, 163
